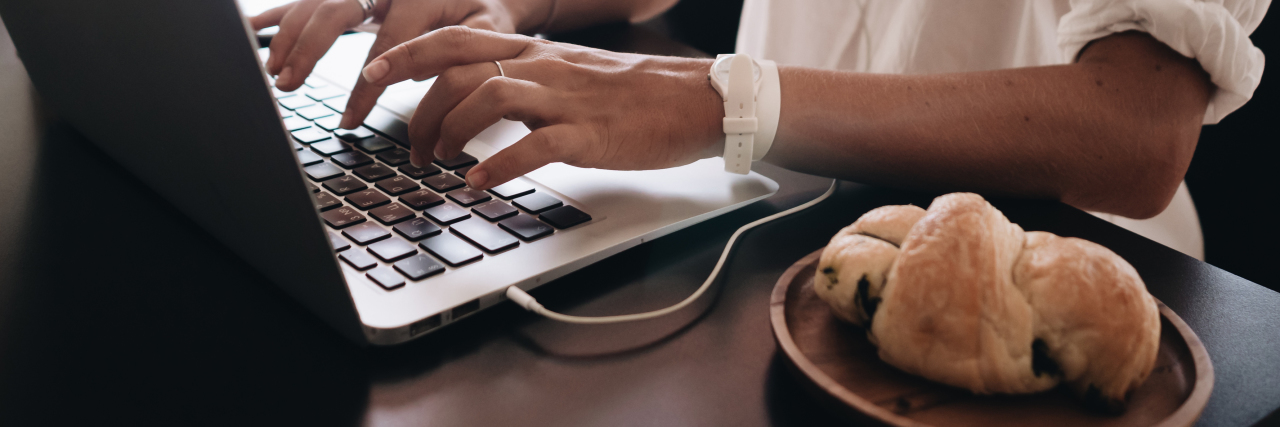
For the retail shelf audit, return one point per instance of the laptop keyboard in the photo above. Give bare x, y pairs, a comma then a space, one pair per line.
401, 223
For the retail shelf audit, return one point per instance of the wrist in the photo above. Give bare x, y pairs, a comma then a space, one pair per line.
705, 109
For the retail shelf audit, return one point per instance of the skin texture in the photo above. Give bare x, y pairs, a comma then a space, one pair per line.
1113, 132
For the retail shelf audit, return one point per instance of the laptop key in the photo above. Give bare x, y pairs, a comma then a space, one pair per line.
466, 196
392, 249
421, 199
367, 199
526, 227
297, 146
322, 171
279, 94
564, 217
511, 190
444, 182
296, 123
329, 123
537, 203
419, 267
494, 210
358, 259
376, 144
313, 112
485, 235
451, 249
339, 244
344, 185
388, 125
313, 188
463, 159
416, 229
447, 214
391, 213
396, 157
326, 92
307, 158
352, 159
353, 135
342, 217
325, 202
296, 102
462, 171
385, 278
310, 135
314, 82
284, 112
338, 104
366, 233
330, 147
374, 172
398, 185
419, 172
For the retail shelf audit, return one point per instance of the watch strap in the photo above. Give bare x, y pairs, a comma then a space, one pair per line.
740, 123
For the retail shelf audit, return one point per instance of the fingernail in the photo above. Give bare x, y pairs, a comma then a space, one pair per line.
477, 178
284, 76
415, 158
375, 71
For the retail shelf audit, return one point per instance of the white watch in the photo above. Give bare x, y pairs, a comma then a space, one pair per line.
751, 103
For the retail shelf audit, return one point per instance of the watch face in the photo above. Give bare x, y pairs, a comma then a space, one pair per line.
721, 68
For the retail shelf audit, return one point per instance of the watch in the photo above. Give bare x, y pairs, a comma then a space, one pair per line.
751, 102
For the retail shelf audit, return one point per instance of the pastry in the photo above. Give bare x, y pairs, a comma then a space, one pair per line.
960, 295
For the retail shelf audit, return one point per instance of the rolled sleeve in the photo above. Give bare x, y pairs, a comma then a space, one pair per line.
1214, 33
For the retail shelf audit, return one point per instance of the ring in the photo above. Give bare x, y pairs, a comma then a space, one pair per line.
500, 72
366, 6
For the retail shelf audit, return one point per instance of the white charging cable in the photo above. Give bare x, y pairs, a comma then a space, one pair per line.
519, 296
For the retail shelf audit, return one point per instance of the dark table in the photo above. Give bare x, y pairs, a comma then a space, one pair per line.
115, 308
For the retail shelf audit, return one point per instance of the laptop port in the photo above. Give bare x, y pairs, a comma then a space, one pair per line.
424, 325
466, 309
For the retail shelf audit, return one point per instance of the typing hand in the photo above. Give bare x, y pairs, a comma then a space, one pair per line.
586, 107
309, 27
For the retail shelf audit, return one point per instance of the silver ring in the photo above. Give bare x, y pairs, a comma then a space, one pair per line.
367, 7
500, 72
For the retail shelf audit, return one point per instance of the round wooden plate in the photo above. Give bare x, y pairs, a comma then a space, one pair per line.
842, 370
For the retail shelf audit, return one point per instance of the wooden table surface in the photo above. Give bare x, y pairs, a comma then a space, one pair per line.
117, 309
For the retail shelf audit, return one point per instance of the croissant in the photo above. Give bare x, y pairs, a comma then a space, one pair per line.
960, 295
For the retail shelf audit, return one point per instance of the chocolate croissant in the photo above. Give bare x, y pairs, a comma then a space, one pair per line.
960, 295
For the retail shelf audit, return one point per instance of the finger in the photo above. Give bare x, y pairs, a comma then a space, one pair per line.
480, 21
431, 54
328, 22
535, 150
291, 26
495, 99
449, 89
271, 17
397, 28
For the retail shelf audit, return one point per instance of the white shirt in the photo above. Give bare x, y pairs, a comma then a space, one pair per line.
942, 36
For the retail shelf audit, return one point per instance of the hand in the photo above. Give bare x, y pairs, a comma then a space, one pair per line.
309, 27
586, 107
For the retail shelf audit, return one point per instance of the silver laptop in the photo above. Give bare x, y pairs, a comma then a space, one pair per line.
382, 251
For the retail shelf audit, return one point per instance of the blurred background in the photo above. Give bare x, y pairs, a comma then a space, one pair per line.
1232, 178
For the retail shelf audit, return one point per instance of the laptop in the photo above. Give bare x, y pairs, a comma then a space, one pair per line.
382, 251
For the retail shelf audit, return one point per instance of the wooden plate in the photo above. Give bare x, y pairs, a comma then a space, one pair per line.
841, 369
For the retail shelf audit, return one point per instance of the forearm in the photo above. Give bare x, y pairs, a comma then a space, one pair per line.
1102, 134
538, 15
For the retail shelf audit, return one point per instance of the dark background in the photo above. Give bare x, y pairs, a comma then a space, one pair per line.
1231, 180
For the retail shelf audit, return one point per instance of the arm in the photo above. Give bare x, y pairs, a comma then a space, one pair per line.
1113, 132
